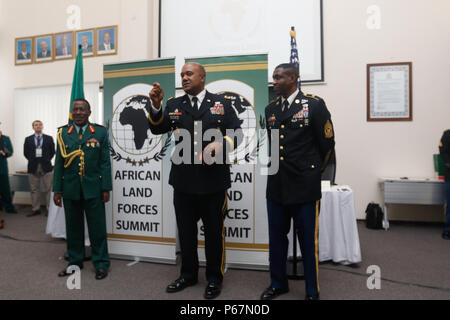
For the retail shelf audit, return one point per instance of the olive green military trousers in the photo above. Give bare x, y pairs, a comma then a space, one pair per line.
96, 221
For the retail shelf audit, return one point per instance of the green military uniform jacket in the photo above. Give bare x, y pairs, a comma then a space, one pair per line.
89, 173
3, 159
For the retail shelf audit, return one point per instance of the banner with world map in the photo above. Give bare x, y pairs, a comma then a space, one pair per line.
140, 221
243, 80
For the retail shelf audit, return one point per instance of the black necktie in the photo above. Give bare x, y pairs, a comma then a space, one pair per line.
195, 105
38, 138
285, 106
80, 134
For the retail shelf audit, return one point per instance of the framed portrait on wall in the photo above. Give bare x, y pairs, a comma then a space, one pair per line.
64, 45
389, 91
24, 51
43, 48
86, 38
106, 40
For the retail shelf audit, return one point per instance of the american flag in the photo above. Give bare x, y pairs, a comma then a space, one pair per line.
294, 53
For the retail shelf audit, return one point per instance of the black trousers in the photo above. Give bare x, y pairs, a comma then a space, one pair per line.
211, 208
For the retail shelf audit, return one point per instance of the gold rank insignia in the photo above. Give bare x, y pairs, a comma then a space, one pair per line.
328, 130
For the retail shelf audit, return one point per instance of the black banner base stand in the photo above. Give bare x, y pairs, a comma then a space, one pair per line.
294, 265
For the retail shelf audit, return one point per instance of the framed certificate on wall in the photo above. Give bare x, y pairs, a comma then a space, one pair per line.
389, 91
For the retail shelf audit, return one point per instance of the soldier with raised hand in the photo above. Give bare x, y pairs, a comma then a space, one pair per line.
199, 184
82, 178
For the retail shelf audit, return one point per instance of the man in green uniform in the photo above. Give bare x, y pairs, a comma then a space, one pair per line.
6, 151
82, 177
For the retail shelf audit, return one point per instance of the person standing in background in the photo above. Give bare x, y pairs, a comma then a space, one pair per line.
6, 151
39, 150
444, 150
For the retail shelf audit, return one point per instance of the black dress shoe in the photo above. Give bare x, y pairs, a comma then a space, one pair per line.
446, 235
271, 293
14, 211
179, 285
101, 273
313, 297
66, 272
212, 290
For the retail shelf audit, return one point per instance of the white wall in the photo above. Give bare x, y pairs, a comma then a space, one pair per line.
32, 18
411, 30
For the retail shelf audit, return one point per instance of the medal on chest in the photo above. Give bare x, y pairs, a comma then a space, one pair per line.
217, 109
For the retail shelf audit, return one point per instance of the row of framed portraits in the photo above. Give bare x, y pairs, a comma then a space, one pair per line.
62, 46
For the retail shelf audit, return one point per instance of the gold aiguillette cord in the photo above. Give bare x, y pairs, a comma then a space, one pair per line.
68, 158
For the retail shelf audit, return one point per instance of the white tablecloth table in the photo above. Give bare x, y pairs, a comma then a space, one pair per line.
338, 232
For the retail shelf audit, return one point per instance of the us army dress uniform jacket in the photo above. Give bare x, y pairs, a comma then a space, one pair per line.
444, 150
306, 141
215, 112
89, 173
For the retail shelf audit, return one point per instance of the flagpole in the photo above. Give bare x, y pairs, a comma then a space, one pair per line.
295, 273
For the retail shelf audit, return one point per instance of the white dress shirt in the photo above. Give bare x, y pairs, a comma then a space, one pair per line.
200, 97
290, 99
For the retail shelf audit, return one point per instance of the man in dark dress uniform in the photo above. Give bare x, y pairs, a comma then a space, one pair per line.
82, 177
306, 143
444, 150
199, 184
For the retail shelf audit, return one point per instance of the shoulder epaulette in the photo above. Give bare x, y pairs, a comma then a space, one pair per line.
274, 100
70, 129
99, 125
312, 96
170, 98
66, 125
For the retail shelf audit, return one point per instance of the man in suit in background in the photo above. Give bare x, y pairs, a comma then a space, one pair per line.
199, 188
306, 143
24, 54
82, 177
39, 150
6, 151
64, 50
45, 53
106, 45
444, 150
85, 45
